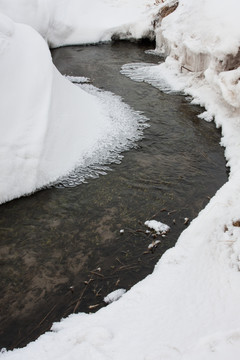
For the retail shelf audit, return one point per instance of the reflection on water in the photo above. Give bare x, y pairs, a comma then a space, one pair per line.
61, 250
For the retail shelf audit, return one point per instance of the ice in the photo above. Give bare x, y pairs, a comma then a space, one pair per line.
78, 79
158, 76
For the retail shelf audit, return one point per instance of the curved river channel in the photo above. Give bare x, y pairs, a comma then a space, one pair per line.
61, 250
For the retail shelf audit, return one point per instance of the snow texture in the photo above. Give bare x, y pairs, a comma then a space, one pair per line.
157, 226
65, 22
114, 296
50, 127
189, 307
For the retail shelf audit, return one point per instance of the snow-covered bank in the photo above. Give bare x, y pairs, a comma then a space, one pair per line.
68, 22
49, 126
189, 307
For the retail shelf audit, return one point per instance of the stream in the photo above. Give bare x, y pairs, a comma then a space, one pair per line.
61, 250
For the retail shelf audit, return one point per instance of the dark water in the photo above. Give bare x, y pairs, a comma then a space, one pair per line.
53, 242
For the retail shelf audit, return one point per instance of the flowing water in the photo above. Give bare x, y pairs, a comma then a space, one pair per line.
61, 250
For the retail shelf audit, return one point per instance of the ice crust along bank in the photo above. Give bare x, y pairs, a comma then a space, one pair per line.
189, 307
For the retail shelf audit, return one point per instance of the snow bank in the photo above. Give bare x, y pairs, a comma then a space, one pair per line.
65, 22
209, 46
50, 126
187, 308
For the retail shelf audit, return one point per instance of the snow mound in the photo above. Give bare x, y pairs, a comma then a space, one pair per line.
49, 126
207, 49
114, 296
68, 22
157, 226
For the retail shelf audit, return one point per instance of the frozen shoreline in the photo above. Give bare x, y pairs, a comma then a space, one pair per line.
186, 309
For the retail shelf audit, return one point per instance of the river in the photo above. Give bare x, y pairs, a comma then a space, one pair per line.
61, 250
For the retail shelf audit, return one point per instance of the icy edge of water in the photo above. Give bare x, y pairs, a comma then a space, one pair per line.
127, 129
152, 74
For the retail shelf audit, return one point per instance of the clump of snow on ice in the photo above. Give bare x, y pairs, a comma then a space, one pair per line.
114, 296
157, 226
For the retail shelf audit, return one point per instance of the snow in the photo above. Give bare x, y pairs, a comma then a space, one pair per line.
78, 79
114, 296
54, 126
64, 22
189, 307
158, 226
153, 244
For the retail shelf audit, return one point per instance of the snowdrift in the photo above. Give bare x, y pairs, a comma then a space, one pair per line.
69, 22
50, 126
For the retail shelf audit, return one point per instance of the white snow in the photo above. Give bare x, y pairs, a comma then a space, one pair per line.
153, 244
48, 125
64, 22
189, 307
157, 226
78, 79
114, 296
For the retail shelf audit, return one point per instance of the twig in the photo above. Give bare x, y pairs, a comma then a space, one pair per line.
93, 306
126, 267
98, 274
37, 326
120, 261
81, 296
